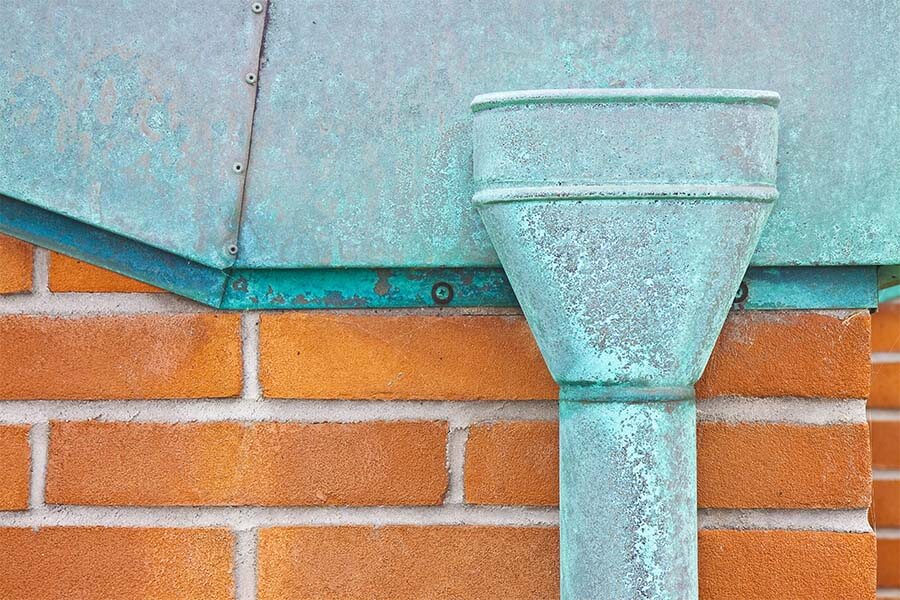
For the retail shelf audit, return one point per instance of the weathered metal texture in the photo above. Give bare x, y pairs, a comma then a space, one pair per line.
785, 288
889, 281
130, 116
628, 500
625, 220
889, 294
117, 253
763, 288
626, 264
366, 288
361, 139
362, 146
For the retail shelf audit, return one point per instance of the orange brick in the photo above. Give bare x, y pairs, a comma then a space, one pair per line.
766, 465
790, 353
885, 503
358, 464
409, 563
147, 464
343, 356
739, 466
15, 467
885, 444
886, 328
127, 356
785, 353
72, 275
143, 463
16, 261
777, 565
512, 463
318, 563
888, 562
94, 563
885, 386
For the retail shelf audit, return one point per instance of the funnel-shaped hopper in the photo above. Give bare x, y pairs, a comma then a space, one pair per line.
625, 220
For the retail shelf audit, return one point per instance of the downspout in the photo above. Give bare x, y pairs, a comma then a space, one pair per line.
625, 220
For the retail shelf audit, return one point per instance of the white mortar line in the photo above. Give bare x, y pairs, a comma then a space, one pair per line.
808, 411
885, 593
456, 458
89, 304
254, 517
86, 303
886, 474
849, 520
888, 533
250, 351
245, 564
245, 519
40, 278
459, 414
884, 414
886, 357
39, 441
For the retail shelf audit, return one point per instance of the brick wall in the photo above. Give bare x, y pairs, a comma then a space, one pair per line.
151, 448
884, 415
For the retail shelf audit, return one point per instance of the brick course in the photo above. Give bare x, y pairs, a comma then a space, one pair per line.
746, 465
776, 565
886, 328
886, 503
97, 563
349, 356
889, 562
69, 274
886, 444
15, 467
126, 356
269, 464
513, 463
16, 260
409, 563
885, 386
790, 353
773, 465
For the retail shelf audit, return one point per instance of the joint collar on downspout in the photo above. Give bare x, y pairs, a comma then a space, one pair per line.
625, 220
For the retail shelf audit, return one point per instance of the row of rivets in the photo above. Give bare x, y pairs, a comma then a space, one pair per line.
250, 79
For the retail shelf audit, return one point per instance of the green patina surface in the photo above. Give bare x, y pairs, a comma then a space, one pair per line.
296, 289
625, 266
889, 294
129, 117
366, 288
628, 480
362, 138
361, 153
278, 289
122, 255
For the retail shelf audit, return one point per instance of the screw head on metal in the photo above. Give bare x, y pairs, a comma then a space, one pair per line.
256, 7
250, 78
232, 249
442, 292
237, 167
742, 294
